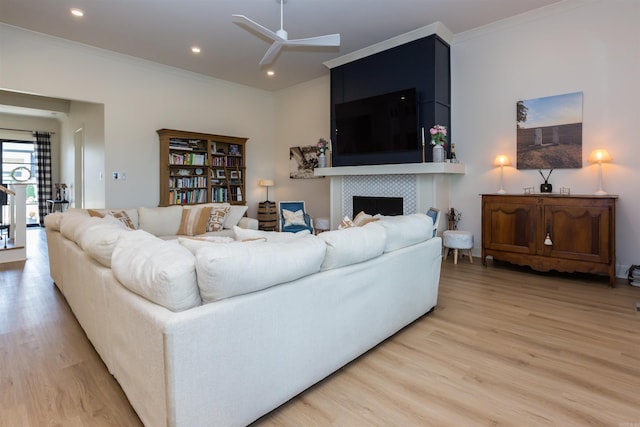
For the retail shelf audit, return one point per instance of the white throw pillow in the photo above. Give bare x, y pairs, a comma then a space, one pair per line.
161, 271
406, 230
270, 236
228, 270
353, 245
293, 217
234, 215
163, 221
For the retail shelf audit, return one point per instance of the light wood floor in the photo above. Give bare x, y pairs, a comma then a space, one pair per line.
504, 346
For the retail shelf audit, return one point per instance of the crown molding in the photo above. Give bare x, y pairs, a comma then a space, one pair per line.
437, 28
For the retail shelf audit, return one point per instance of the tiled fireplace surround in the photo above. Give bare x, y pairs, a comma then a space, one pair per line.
421, 185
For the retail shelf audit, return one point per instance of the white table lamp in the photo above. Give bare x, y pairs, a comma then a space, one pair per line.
266, 183
501, 161
599, 156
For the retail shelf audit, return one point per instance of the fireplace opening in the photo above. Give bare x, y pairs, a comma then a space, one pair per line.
378, 205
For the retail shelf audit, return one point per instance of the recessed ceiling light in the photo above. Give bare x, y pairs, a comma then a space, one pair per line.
271, 73
195, 49
77, 12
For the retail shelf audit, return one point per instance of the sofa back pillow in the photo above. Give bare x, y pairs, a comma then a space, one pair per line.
161, 271
98, 239
269, 236
195, 243
406, 230
73, 222
228, 270
163, 221
353, 245
52, 221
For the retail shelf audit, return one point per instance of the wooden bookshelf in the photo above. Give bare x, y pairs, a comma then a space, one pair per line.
201, 168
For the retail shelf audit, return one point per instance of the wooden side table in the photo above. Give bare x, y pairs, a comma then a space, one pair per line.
267, 216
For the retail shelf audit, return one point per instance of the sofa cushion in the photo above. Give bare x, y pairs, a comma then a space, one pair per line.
360, 220
98, 238
352, 245
236, 212
195, 243
163, 221
194, 220
293, 217
270, 236
216, 218
346, 223
228, 270
363, 218
53, 220
73, 222
128, 217
161, 271
406, 230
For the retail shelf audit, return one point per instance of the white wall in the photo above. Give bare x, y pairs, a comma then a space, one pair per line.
139, 97
90, 118
575, 46
303, 115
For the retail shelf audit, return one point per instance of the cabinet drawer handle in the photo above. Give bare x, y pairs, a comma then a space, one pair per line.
547, 240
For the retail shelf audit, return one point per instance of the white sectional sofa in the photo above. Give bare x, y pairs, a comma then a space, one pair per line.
202, 333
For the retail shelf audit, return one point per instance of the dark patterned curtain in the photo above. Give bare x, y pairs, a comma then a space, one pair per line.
43, 171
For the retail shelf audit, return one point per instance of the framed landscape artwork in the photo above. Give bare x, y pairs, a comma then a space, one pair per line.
549, 132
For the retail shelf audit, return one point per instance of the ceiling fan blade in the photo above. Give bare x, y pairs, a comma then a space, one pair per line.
328, 40
271, 54
241, 19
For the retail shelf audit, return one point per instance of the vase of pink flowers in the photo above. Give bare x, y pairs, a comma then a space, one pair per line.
438, 141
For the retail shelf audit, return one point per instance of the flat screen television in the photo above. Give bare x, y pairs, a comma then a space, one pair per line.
379, 127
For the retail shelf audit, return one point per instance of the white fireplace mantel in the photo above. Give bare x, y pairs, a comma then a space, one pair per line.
399, 169
422, 185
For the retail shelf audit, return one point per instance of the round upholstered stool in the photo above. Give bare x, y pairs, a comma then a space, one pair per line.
321, 224
457, 240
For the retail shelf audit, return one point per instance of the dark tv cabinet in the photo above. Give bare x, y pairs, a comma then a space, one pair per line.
423, 64
551, 232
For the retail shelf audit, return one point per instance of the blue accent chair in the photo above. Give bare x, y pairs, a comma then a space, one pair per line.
294, 206
434, 214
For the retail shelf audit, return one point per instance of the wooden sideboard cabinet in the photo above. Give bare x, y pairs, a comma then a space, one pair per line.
551, 232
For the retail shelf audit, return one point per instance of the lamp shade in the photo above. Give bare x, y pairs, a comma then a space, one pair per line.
599, 156
502, 160
266, 183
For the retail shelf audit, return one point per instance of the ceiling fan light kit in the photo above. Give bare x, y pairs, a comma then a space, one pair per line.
281, 37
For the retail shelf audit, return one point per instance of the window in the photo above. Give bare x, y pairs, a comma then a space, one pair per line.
18, 166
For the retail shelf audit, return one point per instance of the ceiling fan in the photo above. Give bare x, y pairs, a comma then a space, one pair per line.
280, 37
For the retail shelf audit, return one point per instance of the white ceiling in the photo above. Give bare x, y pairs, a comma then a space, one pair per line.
163, 31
